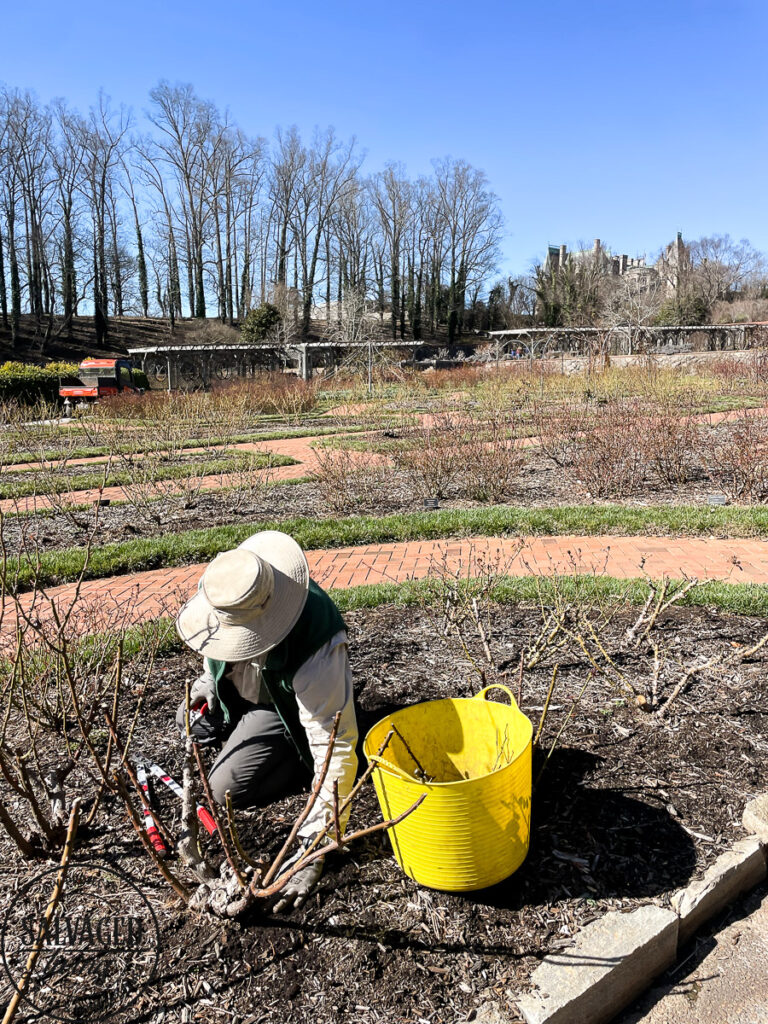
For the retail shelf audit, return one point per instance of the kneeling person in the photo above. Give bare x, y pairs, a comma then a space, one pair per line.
276, 672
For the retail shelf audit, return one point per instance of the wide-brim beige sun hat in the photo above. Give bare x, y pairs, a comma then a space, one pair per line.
248, 600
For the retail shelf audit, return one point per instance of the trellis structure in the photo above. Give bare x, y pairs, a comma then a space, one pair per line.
189, 366
626, 339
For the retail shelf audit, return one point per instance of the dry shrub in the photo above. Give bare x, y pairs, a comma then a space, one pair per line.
602, 448
737, 458
430, 457
266, 394
287, 396
130, 406
492, 457
736, 374
350, 480
673, 441
455, 379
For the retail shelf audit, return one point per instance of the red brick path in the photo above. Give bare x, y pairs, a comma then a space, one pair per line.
147, 595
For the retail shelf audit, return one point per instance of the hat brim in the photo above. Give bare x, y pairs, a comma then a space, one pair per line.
200, 628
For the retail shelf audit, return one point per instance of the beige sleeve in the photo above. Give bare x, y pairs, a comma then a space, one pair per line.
323, 686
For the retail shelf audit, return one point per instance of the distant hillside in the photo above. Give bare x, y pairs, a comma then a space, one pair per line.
33, 346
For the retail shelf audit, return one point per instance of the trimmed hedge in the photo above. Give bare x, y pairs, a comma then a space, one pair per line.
28, 384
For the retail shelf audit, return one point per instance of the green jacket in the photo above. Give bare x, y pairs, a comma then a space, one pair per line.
318, 623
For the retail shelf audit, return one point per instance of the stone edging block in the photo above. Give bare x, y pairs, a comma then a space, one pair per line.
755, 817
611, 961
734, 872
615, 958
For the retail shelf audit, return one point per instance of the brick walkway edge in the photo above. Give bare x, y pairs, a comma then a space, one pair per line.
144, 596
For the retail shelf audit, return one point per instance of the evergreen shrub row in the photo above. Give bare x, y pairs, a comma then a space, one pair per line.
26, 383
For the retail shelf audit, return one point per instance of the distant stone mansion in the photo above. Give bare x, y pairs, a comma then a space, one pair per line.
674, 260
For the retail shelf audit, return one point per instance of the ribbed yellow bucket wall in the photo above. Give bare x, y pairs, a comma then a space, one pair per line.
473, 828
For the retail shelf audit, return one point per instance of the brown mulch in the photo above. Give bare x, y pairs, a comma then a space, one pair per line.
629, 808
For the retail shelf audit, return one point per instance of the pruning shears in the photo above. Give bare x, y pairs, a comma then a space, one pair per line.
149, 822
144, 766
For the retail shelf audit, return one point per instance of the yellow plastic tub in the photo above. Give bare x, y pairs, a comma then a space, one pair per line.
472, 758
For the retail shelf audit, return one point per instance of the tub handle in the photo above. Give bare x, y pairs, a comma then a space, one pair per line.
382, 762
483, 694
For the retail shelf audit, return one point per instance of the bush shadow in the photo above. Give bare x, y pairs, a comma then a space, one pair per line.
593, 841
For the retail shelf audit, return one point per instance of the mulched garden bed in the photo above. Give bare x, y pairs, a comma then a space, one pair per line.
629, 808
540, 484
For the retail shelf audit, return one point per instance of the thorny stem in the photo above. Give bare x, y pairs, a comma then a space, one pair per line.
50, 910
655, 676
336, 819
545, 709
259, 888
561, 730
231, 825
420, 771
265, 892
313, 855
29, 795
25, 847
231, 859
481, 631
111, 722
717, 659
309, 804
352, 793
178, 887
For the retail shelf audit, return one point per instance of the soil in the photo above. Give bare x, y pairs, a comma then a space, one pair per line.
629, 808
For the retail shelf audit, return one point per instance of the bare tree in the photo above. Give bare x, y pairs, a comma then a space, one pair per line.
390, 194
473, 224
328, 174
722, 266
102, 137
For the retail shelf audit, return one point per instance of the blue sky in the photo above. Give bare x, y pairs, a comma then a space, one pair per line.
623, 121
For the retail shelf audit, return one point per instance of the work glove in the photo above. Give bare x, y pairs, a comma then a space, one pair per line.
203, 691
206, 720
299, 887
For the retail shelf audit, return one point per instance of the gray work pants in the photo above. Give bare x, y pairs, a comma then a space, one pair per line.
258, 762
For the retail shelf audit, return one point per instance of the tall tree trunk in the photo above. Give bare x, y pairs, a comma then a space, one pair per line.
174, 276
199, 287
98, 306
117, 275
3, 293
15, 278
222, 287
328, 277
245, 286
229, 277
68, 274
395, 288
190, 277
142, 267
282, 254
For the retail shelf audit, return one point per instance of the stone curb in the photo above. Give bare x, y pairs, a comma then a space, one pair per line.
614, 959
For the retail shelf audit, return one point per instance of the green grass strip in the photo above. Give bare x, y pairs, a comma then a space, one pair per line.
735, 598
61, 484
606, 591
190, 546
